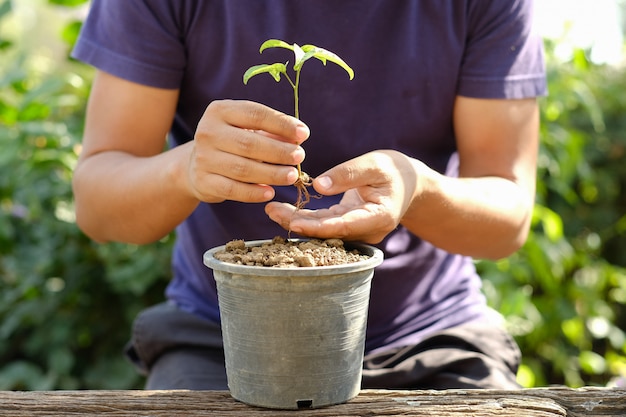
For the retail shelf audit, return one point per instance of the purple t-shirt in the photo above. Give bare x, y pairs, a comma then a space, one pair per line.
411, 58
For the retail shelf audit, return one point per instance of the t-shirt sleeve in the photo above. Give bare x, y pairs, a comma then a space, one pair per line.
504, 54
138, 40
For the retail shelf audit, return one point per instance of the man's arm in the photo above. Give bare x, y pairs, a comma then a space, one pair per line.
124, 185
127, 188
485, 213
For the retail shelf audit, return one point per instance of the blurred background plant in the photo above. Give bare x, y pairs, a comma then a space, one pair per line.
564, 294
67, 304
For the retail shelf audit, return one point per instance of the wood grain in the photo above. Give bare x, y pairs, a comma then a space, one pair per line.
548, 402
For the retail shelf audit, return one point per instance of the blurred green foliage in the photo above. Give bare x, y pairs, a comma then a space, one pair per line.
564, 294
67, 304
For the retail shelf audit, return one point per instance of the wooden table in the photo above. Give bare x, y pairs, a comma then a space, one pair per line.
544, 402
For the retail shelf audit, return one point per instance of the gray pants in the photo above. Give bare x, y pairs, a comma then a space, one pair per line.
178, 350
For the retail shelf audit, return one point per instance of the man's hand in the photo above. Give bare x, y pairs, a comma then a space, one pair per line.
378, 188
241, 149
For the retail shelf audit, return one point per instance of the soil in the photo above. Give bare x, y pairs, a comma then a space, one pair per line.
284, 253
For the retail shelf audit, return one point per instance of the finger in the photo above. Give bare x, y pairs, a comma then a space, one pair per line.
217, 131
355, 224
229, 189
252, 171
284, 213
335, 222
225, 188
255, 116
270, 135
358, 172
258, 146
280, 213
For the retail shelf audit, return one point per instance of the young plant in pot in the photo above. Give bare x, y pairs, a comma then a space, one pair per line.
284, 252
293, 322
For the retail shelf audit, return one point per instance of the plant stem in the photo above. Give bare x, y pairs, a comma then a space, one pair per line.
296, 104
296, 112
296, 98
303, 179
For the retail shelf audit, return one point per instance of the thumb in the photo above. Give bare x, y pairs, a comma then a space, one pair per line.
340, 179
324, 184
373, 169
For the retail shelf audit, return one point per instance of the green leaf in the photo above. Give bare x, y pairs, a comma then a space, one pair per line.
273, 69
325, 55
301, 57
70, 32
275, 43
592, 363
20, 374
68, 3
5, 8
550, 221
306, 52
525, 376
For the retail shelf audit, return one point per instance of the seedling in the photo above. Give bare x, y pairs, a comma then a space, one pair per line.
301, 54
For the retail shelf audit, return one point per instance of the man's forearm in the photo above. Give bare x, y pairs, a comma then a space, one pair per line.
120, 197
485, 217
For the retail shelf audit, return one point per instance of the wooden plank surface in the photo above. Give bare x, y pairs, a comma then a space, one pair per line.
587, 402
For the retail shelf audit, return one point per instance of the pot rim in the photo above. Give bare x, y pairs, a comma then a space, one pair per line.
375, 259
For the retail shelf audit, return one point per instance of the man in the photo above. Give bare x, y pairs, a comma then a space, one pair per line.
429, 153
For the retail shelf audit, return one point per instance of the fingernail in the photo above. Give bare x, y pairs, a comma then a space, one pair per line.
298, 155
302, 132
292, 176
325, 182
268, 194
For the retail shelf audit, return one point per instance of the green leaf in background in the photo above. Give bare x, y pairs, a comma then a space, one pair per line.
5, 8
574, 256
526, 376
592, 363
70, 32
551, 222
68, 3
66, 303
22, 375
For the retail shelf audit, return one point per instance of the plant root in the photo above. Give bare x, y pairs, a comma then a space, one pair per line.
304, 196
302, 185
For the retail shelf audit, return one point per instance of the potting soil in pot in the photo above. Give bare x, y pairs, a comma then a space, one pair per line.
283, 253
